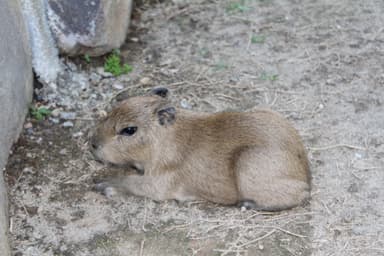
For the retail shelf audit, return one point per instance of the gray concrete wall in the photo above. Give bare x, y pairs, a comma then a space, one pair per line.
15, 93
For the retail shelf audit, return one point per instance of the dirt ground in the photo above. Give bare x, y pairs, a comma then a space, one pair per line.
319, 63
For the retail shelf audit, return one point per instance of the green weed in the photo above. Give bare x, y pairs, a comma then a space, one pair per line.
220, 66
39, 113
113, 64
269, 77
237, 7
87, 58
258, 39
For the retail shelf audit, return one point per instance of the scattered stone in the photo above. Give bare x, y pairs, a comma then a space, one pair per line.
118, 86
102, 73
185, 104
54, 120
102, 113
359, 155
55, 112
145, 81
27, 170
67, 124
28, 125
92, 27
68, 115
78, 134
63, 151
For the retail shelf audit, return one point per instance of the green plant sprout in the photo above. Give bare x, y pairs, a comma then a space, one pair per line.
264, 76
237, 7
39, 113
113, 64
87, 58
258, 39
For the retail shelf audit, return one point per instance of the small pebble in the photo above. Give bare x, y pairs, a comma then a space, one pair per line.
28, 125
100, 71
185, 104
358, 155
109, 192
102, 113
68, 115
54, 120
67, 124
145, 81
118, 86
55, 112
77, 134
28, 170
261, 246
63, 151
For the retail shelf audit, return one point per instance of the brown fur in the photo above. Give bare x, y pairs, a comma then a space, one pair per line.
225, 158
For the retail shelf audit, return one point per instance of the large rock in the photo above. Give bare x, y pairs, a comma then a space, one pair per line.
92, 27
45, 56
15, 93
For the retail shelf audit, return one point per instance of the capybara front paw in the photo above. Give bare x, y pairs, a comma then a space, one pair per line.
105, 188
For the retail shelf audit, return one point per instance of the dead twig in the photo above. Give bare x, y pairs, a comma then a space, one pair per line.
285, 231
257, 239
180, 12
145, 216
336, 146
11, 225
85, 118
226, 251
142, 247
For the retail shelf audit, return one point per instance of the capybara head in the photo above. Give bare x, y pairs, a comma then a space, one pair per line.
130, 131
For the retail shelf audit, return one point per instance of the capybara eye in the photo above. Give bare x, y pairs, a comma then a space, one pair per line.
128, 131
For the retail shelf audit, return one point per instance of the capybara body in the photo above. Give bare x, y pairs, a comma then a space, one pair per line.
255, 159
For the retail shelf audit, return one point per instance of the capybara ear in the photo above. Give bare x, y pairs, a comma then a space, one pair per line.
166, 116
160, 91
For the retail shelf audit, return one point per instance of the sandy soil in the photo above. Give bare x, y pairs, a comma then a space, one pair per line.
319, 63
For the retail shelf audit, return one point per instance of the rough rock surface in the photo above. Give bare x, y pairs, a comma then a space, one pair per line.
15, 92
92, 27
45, 60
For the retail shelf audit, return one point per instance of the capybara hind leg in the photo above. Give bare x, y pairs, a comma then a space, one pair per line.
273, 181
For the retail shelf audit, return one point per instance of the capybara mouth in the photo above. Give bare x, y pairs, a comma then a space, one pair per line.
125, 166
